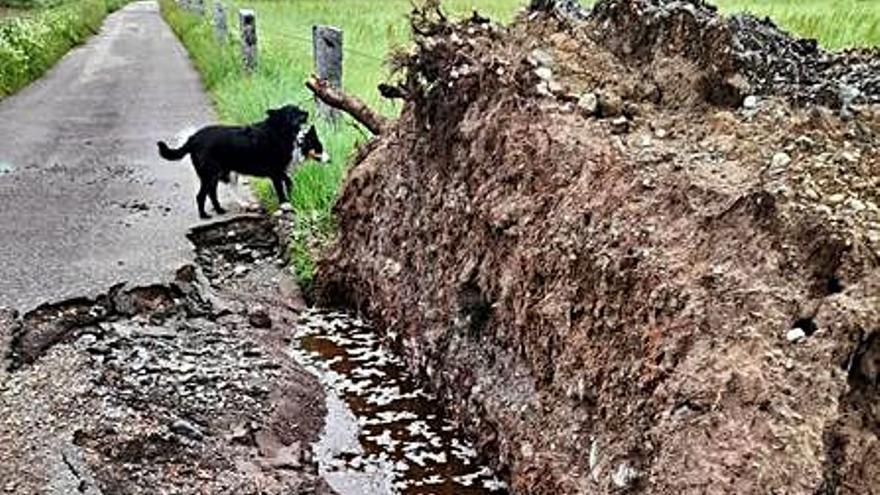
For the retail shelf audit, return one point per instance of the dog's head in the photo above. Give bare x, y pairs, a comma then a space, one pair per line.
287, 119
311, 147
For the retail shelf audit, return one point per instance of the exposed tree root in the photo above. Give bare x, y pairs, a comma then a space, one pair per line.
359, 110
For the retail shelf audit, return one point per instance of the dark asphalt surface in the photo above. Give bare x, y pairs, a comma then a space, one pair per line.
85, 201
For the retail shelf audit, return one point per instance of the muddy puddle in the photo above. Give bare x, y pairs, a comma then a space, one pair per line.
384, 434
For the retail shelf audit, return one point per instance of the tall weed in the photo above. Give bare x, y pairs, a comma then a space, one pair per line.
30, 44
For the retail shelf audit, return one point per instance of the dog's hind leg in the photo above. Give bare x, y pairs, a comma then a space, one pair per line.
200, 199
212, 193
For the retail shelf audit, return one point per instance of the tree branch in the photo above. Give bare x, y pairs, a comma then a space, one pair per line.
359, 110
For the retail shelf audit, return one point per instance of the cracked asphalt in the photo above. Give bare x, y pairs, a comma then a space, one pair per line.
85, 201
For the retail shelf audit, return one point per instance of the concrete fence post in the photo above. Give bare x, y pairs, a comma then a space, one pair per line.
221, 30
247, 21
327, 50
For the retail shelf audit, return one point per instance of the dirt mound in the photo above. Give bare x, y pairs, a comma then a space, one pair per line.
619, 272
740, 55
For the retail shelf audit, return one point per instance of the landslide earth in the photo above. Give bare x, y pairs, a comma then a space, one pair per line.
633, 248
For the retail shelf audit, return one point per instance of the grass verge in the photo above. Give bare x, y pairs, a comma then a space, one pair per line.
371, 29
31, 41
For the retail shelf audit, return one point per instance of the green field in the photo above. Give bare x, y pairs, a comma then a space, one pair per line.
836, 24
371, 29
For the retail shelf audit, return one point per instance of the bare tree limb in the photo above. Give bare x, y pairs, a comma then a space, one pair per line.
359, 110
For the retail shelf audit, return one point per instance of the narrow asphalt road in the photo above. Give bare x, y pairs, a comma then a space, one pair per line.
85, 202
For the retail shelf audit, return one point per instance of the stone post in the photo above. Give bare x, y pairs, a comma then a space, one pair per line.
327, 50
247, 21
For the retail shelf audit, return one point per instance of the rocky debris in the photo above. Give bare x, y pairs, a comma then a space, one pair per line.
259, 317
9, 324
570, 10
233, 252
620, 125
795, 334
738, 56
750, 102
135, 205
187, 429
163, 389
611, 310
610, 104
588, 104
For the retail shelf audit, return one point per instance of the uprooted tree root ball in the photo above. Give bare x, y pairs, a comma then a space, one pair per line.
631, 251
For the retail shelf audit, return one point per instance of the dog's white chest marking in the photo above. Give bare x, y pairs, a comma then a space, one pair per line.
297, 146
297, 157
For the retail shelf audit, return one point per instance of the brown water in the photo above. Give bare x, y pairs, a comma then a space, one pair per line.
384, 434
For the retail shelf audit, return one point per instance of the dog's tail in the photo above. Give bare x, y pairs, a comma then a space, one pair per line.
172, 154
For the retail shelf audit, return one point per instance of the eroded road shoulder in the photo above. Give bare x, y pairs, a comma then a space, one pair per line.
139, 361
178, 388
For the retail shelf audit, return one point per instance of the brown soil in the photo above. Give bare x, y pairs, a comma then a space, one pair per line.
605, 263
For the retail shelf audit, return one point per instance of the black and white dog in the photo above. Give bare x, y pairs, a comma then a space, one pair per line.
263, 149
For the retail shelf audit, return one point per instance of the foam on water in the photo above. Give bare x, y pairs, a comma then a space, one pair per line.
384, 435
6, 168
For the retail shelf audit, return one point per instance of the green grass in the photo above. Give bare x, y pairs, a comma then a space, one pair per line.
836, 24
32, 40
30, 4
371, 29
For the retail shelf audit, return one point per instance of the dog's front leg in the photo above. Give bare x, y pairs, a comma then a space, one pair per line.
278, 183
288, 185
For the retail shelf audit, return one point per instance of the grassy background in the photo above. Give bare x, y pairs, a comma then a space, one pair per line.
836, 24
30, 4
34, 34
371, 29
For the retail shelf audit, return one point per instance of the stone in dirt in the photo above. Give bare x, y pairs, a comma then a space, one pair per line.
563, 304
258, 316
187, 429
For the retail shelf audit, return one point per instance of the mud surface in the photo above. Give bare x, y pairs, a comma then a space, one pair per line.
178, 388
624, 261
